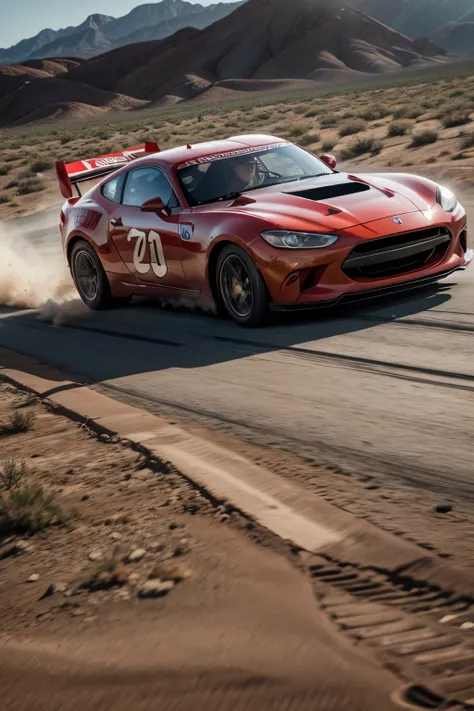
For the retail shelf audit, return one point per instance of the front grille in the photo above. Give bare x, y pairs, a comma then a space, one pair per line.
397, 254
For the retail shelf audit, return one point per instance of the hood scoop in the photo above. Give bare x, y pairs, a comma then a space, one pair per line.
328, 192
242, 200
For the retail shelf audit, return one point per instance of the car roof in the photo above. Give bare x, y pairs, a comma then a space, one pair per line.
182, 154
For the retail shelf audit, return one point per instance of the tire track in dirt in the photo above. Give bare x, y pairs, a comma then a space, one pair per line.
421, 631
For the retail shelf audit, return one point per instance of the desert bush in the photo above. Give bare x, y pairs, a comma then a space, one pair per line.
432, 103
374, 113
4, 199
467, 141
309, 138
398, 128
362, 145
29, 509
409, 112
329, 121
65, 140
297, 129
352, 127
328, 145
456, 118
4, 169
40, 165
424, 138
17, 422
13, 473
12, 184
313, 112
34, 185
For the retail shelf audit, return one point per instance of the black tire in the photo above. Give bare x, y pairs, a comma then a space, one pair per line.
93, 288
241, 291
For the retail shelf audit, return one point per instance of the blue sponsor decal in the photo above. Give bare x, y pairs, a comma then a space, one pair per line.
186, 232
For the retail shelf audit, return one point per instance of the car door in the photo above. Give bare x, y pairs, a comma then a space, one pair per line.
149, 242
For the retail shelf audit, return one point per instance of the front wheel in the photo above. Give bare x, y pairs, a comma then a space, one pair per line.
241, 289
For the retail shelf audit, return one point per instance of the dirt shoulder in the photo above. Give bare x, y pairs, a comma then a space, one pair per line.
241, 628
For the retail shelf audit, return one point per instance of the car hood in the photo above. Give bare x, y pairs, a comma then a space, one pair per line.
334, 202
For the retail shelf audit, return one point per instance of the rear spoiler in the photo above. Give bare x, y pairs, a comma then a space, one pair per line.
70, 174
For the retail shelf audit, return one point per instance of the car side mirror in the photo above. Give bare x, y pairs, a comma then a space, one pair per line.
329, 160
155, 204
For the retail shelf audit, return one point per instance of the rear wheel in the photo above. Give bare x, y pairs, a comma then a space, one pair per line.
90, 278
241, 289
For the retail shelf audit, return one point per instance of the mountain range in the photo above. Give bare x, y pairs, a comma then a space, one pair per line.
450, 23
261, 44
101, 33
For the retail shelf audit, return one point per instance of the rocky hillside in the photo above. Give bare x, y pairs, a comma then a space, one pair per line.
449, 22
261, 42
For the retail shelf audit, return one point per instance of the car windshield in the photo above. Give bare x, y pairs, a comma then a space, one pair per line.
215, 178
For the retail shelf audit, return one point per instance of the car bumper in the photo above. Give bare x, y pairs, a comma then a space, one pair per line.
325, 277
373, 293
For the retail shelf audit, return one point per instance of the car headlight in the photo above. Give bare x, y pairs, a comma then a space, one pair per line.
298, 240
446, 198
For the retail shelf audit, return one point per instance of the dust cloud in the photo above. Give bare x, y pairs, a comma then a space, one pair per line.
33, 273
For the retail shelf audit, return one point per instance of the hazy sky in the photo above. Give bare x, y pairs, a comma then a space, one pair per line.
24, 18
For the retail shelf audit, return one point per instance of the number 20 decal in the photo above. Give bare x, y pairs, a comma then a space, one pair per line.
157, 258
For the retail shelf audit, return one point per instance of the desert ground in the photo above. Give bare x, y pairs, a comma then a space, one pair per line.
363, 413
423, 123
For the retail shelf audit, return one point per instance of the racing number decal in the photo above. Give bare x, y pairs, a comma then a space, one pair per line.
157, 258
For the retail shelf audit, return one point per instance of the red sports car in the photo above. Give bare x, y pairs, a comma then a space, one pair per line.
252, 223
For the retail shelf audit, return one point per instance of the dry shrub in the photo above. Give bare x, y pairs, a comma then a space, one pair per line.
361, 146
13, 473
328, 145
424, 138
297, 129
398, 128
409, 112
456, 118
41, 165
329, 121
309, 138
33, 185
312, 113
352, 127
18, 422
29, 509
467, 141
374, 113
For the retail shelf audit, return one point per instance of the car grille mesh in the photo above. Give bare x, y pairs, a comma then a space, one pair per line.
397, 254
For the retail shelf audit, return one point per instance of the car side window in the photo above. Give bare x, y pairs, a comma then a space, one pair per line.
112, 189
146, 183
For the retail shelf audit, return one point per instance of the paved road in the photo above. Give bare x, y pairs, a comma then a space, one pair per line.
388, 385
